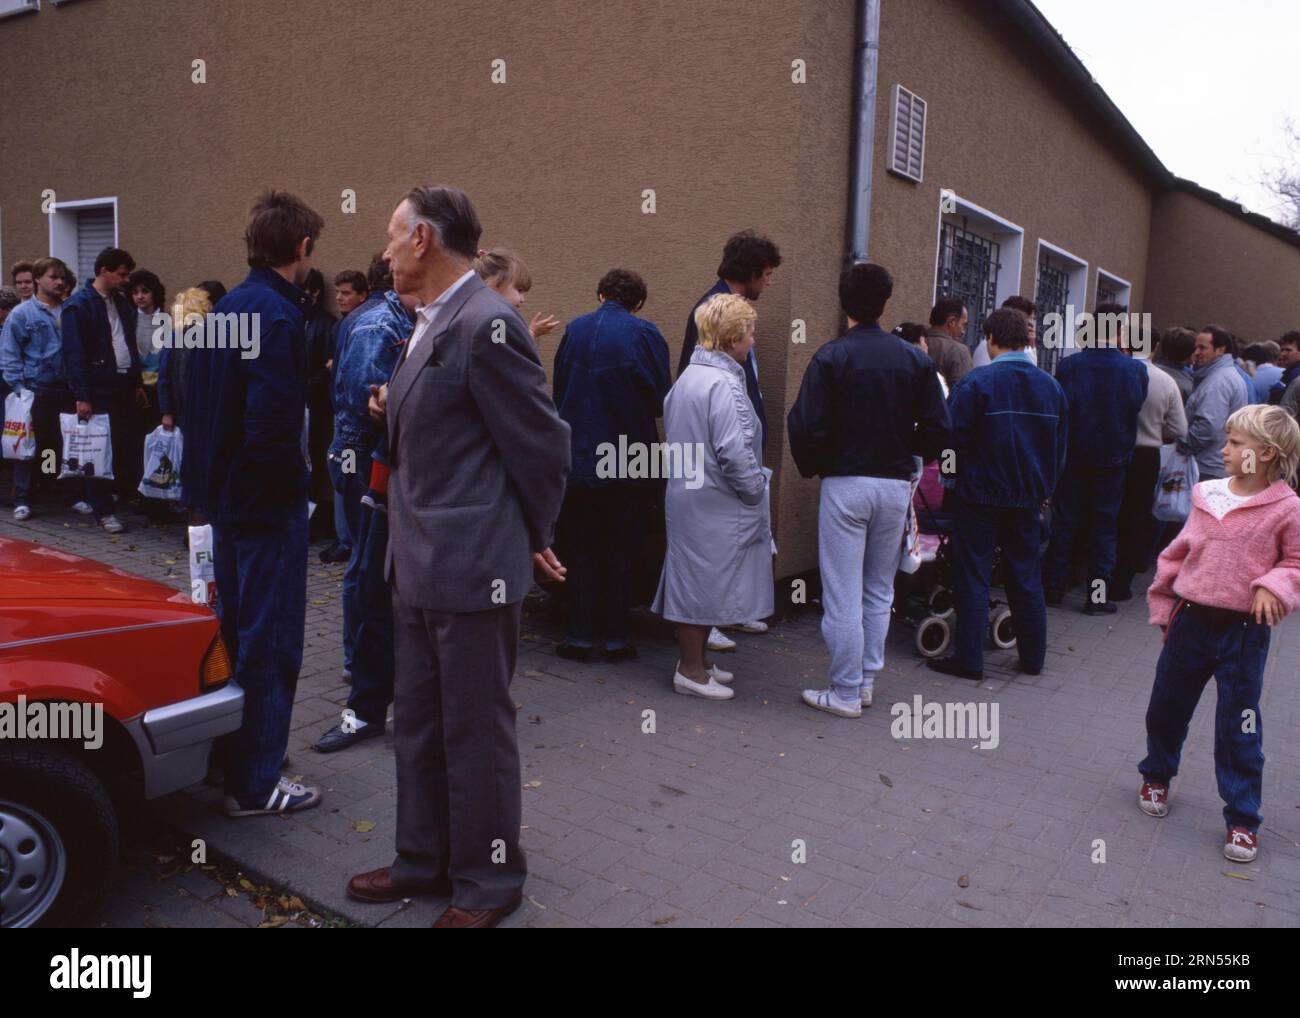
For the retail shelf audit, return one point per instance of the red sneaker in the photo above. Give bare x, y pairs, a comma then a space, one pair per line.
1153, 798
1241, 845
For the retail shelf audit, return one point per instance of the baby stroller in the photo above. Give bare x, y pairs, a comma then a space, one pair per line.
925, 598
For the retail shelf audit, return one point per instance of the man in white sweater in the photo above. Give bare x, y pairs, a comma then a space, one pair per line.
1160, 421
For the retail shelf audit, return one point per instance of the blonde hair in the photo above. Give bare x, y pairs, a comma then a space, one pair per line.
1271, 426
723, 321
189, 304
504, 266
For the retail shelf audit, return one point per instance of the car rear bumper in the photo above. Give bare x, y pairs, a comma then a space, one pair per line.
174, 741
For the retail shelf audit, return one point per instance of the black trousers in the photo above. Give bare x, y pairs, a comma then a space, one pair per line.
1137, 527
600, 531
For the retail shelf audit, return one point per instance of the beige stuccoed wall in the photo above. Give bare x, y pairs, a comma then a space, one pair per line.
1208, 266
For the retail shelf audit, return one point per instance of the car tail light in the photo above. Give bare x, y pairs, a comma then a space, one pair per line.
215, 670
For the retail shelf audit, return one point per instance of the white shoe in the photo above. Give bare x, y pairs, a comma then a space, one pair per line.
21, 512
864, 695
718, 675
719, 641
832, 703
84, 508
112, 524
711, 690
751, 627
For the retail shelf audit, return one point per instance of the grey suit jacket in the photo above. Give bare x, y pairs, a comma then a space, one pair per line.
479, 459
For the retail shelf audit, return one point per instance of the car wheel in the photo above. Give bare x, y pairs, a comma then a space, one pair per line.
58, 838
933, 634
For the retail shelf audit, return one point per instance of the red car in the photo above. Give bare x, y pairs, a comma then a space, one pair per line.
105, 679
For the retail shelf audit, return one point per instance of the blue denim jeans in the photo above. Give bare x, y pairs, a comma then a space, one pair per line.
348, 488
860, 524
262, 599
980, 529
1097, 492
1200, 643
371, 610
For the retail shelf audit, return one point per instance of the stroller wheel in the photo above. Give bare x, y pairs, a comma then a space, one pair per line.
933, 634
940, 602
1002, 631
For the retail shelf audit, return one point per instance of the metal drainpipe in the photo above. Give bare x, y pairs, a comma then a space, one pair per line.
864, 128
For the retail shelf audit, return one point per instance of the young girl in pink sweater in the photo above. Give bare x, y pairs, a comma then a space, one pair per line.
1232, 572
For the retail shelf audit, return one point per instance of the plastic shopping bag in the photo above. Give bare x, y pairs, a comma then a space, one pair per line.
162, 464
203, 573
1178, 474
910, 557
19, 438
87, 447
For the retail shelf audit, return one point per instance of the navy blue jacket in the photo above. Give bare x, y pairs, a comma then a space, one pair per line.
89, 362
611, 377
1106, 389
1279, 387
869, 402
1010, 430
751, 370
243, 460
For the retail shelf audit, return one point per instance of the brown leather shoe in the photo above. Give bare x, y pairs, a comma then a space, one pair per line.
473, 918
377, 887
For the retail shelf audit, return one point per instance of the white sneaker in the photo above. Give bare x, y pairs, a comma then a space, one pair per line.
711, 690
751, 627
21, 512
112, 524
719, 641
286, 797
864, 695
84, 508
718, 675
832, 703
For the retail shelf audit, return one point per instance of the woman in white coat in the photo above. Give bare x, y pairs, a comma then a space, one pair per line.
718, 566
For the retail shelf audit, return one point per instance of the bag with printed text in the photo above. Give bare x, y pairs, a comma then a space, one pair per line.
162, 464
203, 572
87, 447
19, 436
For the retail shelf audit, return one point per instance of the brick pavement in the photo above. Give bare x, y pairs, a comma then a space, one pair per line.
696, 824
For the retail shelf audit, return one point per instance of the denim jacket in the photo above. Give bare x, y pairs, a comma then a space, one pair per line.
31, 348
89, 361
369, 342
1106, 389
1010, 427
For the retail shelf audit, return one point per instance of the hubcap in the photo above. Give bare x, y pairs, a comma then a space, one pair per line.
33, 864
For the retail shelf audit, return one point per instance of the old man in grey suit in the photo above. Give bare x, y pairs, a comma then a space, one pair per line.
479, 460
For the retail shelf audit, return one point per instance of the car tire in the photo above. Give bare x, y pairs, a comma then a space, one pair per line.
59, 836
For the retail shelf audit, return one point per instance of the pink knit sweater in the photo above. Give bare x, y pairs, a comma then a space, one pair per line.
1220, 563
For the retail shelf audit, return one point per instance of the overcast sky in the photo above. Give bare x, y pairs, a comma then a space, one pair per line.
1207, 84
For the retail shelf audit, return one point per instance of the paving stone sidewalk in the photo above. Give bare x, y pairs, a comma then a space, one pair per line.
699, 823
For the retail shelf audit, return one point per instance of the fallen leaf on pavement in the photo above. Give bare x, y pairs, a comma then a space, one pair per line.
884, 780
963, 881
363, 826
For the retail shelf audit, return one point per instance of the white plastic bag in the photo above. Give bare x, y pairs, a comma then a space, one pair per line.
87, 447
1178, 474
911, 554
162, 464
203, 573
19, 438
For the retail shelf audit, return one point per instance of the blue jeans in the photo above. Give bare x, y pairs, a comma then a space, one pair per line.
860, 524
1097, 492
980, 529
371, 610
348, 488
262, 599
1201, 643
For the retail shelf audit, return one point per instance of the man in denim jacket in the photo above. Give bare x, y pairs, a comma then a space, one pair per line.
366, 354
1010, 423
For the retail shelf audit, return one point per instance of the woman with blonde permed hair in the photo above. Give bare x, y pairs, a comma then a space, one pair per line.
1227, 578
505, 272
718, 566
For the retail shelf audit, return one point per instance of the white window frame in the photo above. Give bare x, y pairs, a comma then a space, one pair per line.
30, 7
1010, 238
1078, 284
893, 132
1121, 284
63, 232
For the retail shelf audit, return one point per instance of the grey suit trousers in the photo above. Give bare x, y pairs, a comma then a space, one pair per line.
458, 785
